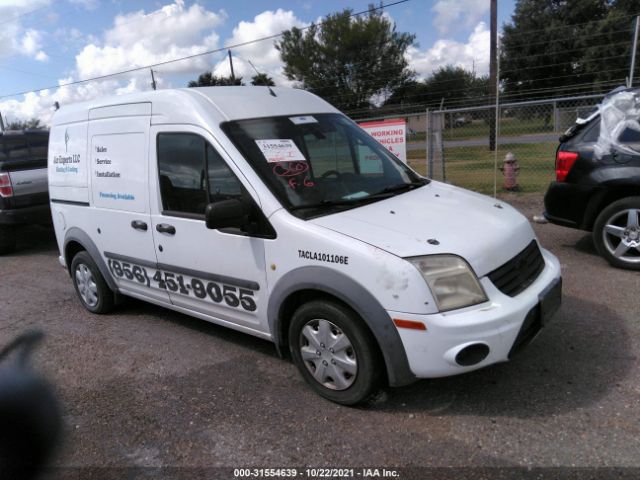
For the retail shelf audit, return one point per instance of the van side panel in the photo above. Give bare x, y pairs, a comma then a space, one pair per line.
68, 166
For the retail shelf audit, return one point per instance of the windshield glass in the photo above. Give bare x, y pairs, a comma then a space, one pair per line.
316, 164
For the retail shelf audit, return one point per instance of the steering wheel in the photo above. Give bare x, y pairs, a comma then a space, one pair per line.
331, 172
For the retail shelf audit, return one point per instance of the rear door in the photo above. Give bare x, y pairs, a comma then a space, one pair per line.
118, 158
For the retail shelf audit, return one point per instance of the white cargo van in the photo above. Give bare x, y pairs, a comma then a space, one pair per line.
270, 212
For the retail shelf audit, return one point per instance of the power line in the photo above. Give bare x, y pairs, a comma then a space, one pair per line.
189, 57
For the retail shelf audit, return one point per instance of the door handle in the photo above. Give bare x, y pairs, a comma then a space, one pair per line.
139, 225
166, 228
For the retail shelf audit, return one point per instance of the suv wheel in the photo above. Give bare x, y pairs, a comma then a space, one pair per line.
7, 239
616, 233
93, 291
335, 353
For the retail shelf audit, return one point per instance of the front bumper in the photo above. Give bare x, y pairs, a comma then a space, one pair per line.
496, 324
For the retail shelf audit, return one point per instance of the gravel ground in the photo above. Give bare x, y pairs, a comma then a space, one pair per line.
147, 387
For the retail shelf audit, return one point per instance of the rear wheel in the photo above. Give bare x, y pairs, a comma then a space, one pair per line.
616, 233
7, 239
93, 291
335, 353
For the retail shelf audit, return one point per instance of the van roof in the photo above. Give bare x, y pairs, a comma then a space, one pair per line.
230, 103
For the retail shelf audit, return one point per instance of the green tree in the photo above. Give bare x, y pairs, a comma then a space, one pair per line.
207, 79
31, 124
607, 56
262, 79
347, 60
543, 47
453, 85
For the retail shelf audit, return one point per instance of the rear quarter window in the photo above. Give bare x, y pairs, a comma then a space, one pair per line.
591, 132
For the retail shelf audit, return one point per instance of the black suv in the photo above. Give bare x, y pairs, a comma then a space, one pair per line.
24, 196
597, 185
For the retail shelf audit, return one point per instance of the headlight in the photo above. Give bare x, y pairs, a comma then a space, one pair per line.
451, 280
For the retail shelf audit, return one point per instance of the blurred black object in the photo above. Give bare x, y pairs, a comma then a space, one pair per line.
30, 421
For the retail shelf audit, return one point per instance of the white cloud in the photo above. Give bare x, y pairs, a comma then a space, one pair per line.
31, 45
41, 56
474, 54
458, 13
262, 54
138, 39
14, 39
135, 39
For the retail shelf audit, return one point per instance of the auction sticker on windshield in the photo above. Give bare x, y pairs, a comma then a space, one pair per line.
280, 150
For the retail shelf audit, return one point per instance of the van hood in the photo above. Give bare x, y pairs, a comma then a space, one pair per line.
438, 218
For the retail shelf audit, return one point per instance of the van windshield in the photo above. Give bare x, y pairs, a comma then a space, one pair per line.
317, 164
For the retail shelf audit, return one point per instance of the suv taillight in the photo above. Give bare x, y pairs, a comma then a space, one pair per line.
564, 162
6, 190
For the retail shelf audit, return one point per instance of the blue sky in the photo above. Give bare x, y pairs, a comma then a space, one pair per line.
51, 42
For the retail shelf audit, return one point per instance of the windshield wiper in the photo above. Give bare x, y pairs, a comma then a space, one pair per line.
386, 192
329, 203
399, 187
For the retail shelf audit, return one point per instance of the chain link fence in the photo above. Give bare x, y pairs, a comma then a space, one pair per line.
455, 145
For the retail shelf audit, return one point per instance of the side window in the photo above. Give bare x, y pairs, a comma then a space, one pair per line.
369, 160
182, 170
631, 137
223, 184
3, 155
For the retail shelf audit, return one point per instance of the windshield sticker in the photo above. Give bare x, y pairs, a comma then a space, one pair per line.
280, 150
303, 120
291, 170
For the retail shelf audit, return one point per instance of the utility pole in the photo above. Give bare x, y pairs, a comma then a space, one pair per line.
153, 80
493, 57
633, 51
233, 77
1, 123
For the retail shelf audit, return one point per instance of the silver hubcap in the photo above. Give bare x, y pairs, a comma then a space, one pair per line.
328, 354
86, 285
621, 235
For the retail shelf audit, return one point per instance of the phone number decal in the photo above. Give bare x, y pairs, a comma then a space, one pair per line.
234, 297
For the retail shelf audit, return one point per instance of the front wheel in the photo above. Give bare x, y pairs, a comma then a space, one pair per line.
616, 233
335, 352
93, 291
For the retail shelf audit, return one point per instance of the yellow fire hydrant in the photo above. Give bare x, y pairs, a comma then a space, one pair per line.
510, 169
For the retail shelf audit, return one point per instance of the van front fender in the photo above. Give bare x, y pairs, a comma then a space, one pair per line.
356, 297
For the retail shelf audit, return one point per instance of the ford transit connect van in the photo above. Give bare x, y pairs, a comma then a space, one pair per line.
270, 212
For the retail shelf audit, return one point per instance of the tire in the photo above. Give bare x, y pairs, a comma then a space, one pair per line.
351, 374
7, 239
93, 292
616, 233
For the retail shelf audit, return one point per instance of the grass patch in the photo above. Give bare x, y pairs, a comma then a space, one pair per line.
473, 167
508, 126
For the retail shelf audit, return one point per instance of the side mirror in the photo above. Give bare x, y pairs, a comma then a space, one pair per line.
225, 214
